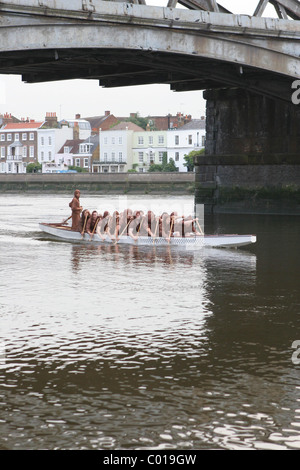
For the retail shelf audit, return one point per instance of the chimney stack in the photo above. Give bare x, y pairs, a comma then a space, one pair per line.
107, 113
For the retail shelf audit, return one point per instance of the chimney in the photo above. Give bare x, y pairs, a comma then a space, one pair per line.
107, 113
76, 131
51, 119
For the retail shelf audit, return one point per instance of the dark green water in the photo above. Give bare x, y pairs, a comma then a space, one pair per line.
147, 348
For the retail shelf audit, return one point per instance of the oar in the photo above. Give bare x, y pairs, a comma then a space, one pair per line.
66, 220
155, 231
201, 231
84, 226
122, 232
171, 229
96, 223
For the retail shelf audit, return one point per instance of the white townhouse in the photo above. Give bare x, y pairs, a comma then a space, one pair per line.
148, 148
50, 141
182, 141
116, 154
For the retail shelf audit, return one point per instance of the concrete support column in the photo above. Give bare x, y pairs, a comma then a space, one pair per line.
252, 158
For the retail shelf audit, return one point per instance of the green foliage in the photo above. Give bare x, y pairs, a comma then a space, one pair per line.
190, 159
139, 121
165, 166
79, 169
33, 168
132, 170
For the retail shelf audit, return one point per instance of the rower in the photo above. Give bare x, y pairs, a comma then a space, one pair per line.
76, 209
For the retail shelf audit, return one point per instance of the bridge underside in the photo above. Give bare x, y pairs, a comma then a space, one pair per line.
122, 44
117, 68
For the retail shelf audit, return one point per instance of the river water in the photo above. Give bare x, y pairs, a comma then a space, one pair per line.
120, 347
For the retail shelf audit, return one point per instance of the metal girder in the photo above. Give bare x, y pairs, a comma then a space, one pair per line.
283, 8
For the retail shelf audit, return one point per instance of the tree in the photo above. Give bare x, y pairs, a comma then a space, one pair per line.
165, 165
33, 168
79, 169
139, 121
190, 159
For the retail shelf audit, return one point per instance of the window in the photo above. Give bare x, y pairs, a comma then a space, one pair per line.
66, 149
120, 140
141, 140
42, 141
9, 167
160, 156
49, 156
2, 152
161, 139
141, 157
190, 139
176, 139
77, 161
150, 139
17, 137
31, 151
120, 157
9, 137
86, 163
3, 167
42, 156
151, 158
24, 151
113, 140
176, 156
113, 156
105, 156
49, 140
141, 170
24, 136
31, 136
105, 140
2, 137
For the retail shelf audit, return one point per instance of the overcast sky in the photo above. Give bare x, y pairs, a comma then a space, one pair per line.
87, 98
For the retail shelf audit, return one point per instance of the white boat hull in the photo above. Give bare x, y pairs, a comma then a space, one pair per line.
64, 233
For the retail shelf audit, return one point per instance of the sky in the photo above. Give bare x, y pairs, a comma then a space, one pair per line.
87, 98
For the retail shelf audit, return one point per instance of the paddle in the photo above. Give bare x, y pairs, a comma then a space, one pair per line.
201, 231
122, 232
84, 226
66, 220
171, 230
96, 223
155, 231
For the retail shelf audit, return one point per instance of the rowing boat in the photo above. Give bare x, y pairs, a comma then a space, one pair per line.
65, 233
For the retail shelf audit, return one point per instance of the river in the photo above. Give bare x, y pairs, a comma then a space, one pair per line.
120, 347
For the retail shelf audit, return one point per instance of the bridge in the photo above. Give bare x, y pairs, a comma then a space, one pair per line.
248, 64
123, 43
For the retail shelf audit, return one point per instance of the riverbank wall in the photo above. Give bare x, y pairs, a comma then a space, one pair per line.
248, 184
101, 183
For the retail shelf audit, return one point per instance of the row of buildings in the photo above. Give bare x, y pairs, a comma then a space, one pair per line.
99, 144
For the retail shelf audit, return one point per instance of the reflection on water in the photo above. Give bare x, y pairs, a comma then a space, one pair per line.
113, 346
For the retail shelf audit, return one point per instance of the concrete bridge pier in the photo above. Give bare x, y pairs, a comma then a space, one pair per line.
252, 158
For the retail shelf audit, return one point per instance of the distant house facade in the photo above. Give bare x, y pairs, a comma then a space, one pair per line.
116, 148
18, 146
182, 141
148, 148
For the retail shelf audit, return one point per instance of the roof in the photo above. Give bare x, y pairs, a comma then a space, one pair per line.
22, 125
193, 124
127, 125
96, 121
73, 144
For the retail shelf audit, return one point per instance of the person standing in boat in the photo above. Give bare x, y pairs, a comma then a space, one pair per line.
76, 209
